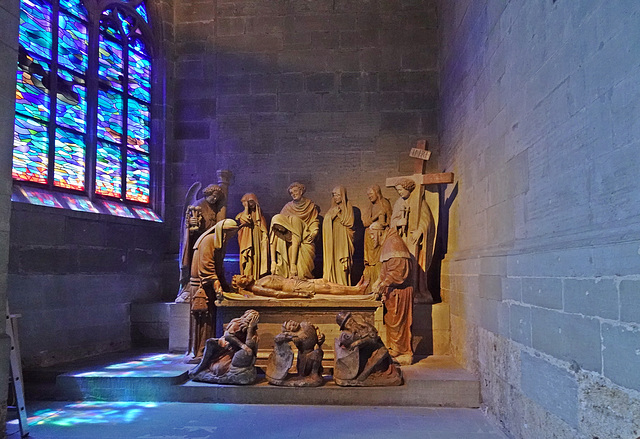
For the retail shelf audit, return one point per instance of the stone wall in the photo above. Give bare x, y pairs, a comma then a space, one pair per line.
73, 275
326, 92
9, 21
539, 121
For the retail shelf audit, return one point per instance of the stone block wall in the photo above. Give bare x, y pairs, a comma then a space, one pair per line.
539, 120
327, 92
73, 277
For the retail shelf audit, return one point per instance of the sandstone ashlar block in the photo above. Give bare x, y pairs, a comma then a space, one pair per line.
544, 292
598, 298
569, 337
520, 324
630, 301
551, 387
621, 355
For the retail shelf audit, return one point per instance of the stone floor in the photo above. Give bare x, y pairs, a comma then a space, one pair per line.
140, 420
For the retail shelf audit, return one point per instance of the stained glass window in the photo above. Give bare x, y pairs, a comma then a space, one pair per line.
80, 128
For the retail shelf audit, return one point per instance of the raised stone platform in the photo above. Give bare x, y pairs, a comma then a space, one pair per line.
432, 382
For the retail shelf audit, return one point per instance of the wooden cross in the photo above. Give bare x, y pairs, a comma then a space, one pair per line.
419, 165
415, 203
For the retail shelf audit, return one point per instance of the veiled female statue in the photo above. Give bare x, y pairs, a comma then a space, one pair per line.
253, 238
337, 235
291, 254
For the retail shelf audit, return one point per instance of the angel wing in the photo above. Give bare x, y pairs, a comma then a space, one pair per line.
189, 199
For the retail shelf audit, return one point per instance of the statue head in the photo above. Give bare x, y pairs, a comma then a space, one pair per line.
213, 193
405, 186
374, 193
250, 200
241, 281
291, 326
339, 195
239, 325
342, 318
296, 190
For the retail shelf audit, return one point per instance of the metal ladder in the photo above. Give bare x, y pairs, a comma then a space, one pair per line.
16, 371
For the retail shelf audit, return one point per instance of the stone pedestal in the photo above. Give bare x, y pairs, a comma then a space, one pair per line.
179, 327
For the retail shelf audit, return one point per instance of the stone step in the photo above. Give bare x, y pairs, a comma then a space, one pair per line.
436, 381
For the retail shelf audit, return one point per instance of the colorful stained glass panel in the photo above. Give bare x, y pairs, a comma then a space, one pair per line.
32, 98
72, 104
74, 7
35, 27
110, 67
139, 76
30, 149
109, 115
108, 24
108, 170
137, 177
68, 171
138, 132
142, 10
127, 23
72, 43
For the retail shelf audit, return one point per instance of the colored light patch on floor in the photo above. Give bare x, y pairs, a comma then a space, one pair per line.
151, 366
89, 412
41, 198
80, 204
147, 214
118, 210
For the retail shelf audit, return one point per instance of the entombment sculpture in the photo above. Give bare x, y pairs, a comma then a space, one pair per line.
378, 211
281, 287
361, 358
293, 234
253, 238
337, 238
200, 216
204, 284
396, 288
231, 358
413, 221
308, 341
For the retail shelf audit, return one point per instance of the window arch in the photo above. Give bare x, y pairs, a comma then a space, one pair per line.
83, 98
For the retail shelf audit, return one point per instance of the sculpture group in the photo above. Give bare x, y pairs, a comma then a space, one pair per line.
277, 261
361, 358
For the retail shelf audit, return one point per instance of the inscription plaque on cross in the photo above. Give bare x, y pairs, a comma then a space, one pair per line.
413, 219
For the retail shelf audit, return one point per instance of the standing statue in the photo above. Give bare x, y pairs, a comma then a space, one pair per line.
308, 340
413, 222
337, 238
281, 287
200, 215
378, 211
395, 286
305, 229
204, 285
361, 357
253, 238
230, 359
